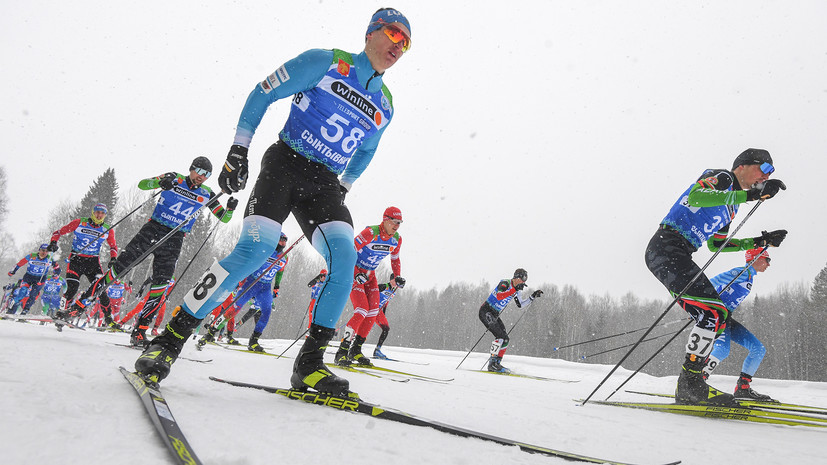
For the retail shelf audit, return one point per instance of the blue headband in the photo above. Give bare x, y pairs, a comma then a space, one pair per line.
384, 17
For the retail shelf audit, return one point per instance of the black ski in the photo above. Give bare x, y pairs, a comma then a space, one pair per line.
399, 361
161, 416
360, 406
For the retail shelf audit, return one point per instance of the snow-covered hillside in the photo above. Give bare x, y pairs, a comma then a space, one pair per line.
64, 401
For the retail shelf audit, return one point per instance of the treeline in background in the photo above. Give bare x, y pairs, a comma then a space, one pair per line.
791, 321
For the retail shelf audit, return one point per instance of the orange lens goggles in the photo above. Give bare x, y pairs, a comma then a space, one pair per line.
396, 35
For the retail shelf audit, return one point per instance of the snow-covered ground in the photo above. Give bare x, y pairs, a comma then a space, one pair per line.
64, 401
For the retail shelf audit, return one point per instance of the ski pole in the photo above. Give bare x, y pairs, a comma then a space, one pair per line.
687, 324
181, 276
609, 337
102, 233
674, 301
294, 342
475, 344
584, 357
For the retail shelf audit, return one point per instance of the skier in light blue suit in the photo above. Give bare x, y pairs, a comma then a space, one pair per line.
340, 109
758, 260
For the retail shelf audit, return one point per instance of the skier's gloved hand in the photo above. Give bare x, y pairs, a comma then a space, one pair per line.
52, 247
535, 294
12, 272
233, 177
767, 191
772, 239
361, 278
400, 282
275, 292
167, 181
232, 202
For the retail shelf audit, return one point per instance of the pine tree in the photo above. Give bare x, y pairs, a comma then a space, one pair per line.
6, 239
818, 293
104, 190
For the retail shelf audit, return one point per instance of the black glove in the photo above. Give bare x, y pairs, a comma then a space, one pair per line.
233, 177
167, 181
52, 246
400, 282
361, 278
767, 191
772, 239
535, 294
520, 286
275, 293
232, 202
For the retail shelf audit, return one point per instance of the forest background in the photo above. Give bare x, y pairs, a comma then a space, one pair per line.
564, 324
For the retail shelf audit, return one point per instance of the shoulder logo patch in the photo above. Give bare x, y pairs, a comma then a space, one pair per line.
343, 68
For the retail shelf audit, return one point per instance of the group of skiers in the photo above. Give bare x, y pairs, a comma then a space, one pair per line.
340, 109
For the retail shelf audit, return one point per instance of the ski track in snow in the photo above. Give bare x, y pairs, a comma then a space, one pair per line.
65, 402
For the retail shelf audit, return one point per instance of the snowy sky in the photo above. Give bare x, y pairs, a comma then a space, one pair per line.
550, 135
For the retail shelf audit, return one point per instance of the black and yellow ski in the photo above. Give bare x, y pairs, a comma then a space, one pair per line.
354, 404
742, 413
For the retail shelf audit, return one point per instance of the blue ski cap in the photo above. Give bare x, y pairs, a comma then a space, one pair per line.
384, 17
100, 208
44, 246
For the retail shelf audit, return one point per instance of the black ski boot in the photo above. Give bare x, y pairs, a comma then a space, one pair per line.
209, 337
495, 366
309, 370
744, 392
253, 345
156, 361
231, 340
138, 337
693, 390
355, 353
341, 355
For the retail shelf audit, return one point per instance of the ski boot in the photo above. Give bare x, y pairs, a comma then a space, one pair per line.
693, 390
309, 370
138, 338
231, 340
355, 353
744, 392
209, 337
377, 353
156, 361
253, 345
341, 355
494, 365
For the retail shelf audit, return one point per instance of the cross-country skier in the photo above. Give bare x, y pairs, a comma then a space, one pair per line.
373, 244
340, 110
735, 331
53, 289
116, 293
161, 306
701, 215
180, 202
264, 291
88, 236
386, 293
496, 302
37, 266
